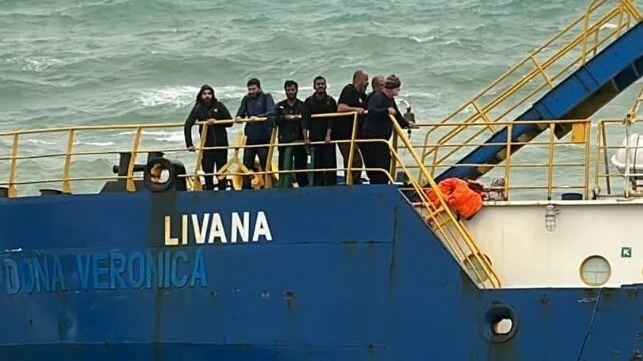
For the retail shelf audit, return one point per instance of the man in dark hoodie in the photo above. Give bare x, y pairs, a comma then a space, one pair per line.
288, 120
378, 125
208, 109
256, 104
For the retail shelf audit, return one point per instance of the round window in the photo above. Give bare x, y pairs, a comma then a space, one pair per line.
595, 271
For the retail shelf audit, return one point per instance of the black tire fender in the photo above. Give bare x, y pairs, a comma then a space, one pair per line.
151, 171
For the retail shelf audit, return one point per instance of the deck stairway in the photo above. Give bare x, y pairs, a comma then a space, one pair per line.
571, 76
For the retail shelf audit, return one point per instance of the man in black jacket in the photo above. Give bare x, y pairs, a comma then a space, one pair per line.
288, 120
208, 108
379, 126
319, 130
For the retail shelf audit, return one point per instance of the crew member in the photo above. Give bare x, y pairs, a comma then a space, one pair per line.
351, 99
256, 104
377, 84
288, 120
320, 130
378, 126
208, 108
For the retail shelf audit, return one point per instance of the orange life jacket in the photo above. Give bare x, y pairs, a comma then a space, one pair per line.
460, 198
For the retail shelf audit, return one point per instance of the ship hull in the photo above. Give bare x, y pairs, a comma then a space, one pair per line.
344, 273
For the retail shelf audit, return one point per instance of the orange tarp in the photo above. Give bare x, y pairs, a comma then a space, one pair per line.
459, 196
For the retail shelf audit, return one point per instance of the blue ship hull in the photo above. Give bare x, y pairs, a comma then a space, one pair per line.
343, 273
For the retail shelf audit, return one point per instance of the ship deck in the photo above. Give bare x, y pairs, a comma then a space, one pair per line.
120, 254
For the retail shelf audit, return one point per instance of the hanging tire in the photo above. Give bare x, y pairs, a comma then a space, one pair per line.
152, 174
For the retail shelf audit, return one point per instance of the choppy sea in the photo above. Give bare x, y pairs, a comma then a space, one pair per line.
101, 62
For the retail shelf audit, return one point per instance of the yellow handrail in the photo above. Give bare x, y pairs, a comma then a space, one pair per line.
71, 153
452, 232
449, 229
523, 166
461, 231
622, 12
602, 148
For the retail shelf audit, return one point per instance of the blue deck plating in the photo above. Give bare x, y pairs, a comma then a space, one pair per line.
580, 95
351, 273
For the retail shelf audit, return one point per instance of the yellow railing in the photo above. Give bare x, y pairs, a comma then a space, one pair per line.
626, 127
453, 233
532, 174
537, 73
69, 136
523, 175
444, 222
547, 167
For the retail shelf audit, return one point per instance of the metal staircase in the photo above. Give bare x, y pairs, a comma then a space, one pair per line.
536, 75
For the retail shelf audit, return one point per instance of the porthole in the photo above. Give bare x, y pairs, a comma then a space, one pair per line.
501, 323
595, 271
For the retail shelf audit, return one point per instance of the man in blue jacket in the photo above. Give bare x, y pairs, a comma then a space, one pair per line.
256, 104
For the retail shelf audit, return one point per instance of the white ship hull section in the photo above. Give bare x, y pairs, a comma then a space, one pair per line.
525, 253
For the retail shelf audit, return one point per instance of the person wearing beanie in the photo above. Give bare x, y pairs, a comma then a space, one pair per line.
208, 108
378, 126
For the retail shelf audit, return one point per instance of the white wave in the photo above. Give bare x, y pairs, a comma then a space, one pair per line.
38, 63
229, 92
39, 141
177, 96
160, 135
172, 137
95, 144
452, 41
419, 94
422, 40
180, 96
608, 26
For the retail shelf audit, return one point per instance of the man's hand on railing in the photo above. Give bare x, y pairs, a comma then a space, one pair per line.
392, 111
238, 119
211, 121
327, 139
191, 148
412, 125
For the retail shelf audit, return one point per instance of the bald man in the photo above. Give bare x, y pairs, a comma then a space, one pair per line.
351, 99
377, 84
